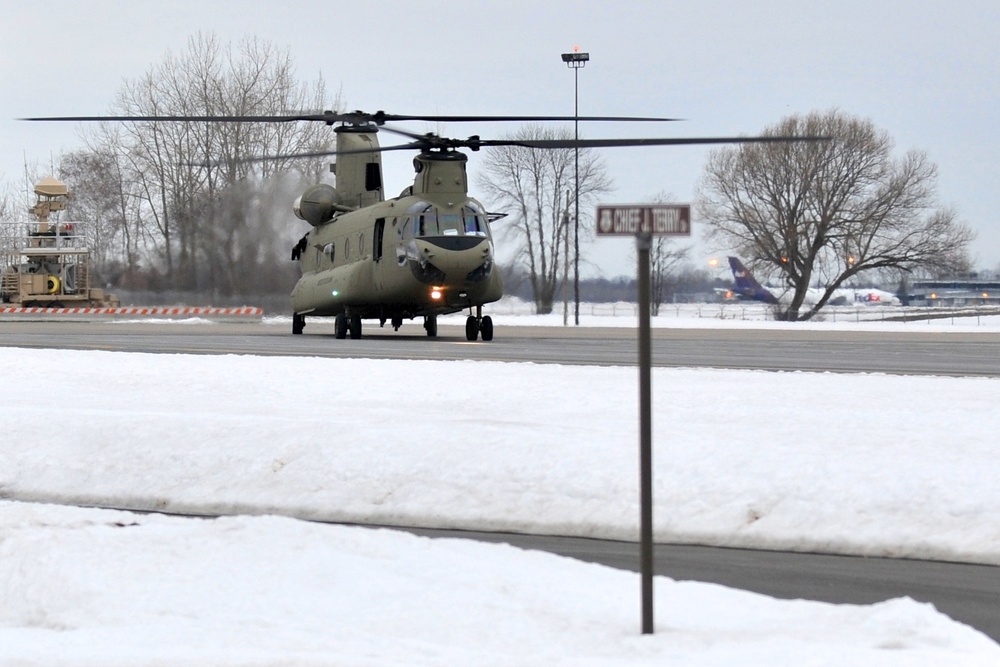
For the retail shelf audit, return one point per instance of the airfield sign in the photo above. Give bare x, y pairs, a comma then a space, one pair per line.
644, 221
634, 219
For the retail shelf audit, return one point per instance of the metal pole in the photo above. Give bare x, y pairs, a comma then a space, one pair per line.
643, 243
576, 196
565, 280
576, 60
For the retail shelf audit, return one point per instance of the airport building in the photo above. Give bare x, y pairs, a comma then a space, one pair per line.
954, 293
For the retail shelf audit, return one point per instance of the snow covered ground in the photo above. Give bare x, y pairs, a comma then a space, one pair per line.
863, 464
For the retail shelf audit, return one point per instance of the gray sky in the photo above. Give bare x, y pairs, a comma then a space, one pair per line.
926, 72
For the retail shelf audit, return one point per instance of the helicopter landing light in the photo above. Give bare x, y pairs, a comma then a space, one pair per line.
435, 293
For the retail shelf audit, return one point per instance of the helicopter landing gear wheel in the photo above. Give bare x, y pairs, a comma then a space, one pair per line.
431, 325
298, 323
477, 325
340, 327
471, 328
486, 328
355, 327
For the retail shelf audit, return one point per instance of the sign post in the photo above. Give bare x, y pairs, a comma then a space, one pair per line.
645, 221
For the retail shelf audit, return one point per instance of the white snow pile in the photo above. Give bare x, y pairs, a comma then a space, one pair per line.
96, 587
861, 464
864, 464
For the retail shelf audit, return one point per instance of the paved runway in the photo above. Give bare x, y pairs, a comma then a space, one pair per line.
907, 352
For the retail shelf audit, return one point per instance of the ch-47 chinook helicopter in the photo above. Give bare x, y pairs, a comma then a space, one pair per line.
425, 253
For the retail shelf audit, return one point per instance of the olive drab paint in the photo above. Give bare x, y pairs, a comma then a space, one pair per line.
425, 253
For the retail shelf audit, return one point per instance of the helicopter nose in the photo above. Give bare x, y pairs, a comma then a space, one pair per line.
455, 260
454, 243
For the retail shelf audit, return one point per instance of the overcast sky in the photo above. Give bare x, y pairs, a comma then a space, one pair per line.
926, 72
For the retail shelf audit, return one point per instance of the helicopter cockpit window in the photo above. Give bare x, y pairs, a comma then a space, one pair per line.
427, 223
450, 224
424, 219
427, 220
475, 221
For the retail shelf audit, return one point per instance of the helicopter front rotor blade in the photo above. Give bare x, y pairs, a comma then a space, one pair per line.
624, 143
525, 119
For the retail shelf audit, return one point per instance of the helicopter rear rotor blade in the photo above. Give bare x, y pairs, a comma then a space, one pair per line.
174, 119
293, 156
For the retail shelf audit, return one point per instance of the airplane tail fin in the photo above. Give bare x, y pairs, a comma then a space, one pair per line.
746, 285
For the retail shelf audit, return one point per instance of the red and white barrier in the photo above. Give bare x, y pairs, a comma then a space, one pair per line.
139, 311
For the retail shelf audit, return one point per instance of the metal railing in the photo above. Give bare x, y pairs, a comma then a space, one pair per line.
753, 312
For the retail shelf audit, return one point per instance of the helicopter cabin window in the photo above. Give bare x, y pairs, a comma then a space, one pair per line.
361, 244
347, 249
377, 238
330, 250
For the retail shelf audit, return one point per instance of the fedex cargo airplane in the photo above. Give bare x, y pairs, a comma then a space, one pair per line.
747, 287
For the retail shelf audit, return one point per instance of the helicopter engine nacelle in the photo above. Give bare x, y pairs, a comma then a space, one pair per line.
316, 205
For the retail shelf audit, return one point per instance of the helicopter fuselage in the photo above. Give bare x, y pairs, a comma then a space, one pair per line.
425, 253
400, 258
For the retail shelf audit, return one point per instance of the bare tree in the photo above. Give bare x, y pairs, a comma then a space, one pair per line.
664, 259
202, 236
111, 211
665, 256
9, 209
538, 185
826, 212
9, 214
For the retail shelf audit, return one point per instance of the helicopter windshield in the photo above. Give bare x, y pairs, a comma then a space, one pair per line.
475, 220
424, 219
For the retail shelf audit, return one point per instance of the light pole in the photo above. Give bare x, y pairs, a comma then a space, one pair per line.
575, 61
